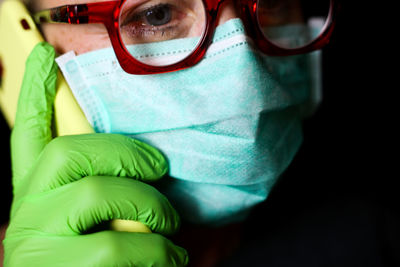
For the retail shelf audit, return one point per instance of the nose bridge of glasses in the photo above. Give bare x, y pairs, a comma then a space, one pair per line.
228, 9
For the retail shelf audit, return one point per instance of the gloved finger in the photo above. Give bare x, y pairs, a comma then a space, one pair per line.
70, 158
77, 207
106, 248
32, 130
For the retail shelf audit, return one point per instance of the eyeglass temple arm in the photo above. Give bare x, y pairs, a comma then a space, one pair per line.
72, 14
77, 14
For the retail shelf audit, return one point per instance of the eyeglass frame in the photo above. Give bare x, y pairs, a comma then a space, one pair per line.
108, 13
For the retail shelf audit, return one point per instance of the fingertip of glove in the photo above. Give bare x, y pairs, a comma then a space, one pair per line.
183, 256
45, 46
156, 161
162, 166
43, 51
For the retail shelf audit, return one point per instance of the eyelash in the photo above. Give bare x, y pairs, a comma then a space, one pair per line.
148, 32
145, 30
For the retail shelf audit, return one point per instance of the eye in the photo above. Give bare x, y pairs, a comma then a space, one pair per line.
155, 21
158, 15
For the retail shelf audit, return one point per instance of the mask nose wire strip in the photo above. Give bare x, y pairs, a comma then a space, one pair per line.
230, 42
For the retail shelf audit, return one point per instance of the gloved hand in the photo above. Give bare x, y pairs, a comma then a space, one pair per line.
64, 187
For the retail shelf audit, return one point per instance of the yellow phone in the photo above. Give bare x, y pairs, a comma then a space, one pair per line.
19, 35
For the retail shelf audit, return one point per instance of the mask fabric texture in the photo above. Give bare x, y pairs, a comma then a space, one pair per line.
228, 126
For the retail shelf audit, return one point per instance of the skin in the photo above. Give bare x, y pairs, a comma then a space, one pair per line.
92, 36
85, 38
211, 244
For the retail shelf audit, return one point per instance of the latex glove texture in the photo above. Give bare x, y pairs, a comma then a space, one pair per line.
64, 187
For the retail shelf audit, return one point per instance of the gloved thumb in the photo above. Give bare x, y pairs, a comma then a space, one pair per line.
32, 128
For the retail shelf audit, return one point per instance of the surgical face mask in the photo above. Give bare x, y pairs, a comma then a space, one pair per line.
228, 126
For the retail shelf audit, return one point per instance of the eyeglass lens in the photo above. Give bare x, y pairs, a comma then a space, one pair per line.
292, 24
163, 32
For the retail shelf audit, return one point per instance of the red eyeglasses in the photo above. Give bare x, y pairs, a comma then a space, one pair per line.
139, 28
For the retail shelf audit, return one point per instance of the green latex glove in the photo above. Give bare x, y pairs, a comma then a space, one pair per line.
66, 186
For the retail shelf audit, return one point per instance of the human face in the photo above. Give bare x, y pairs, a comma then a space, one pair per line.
130, 24
93, 36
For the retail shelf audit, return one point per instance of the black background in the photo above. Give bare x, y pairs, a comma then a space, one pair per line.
337, 204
